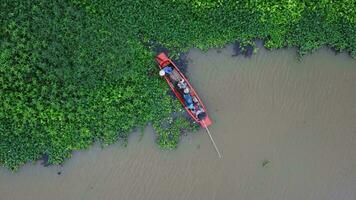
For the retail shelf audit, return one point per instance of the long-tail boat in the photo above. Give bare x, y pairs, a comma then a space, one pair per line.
174, 77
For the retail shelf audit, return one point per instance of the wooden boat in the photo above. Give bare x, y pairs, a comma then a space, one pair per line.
172, 80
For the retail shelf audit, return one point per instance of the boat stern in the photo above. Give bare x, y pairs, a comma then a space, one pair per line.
205, 122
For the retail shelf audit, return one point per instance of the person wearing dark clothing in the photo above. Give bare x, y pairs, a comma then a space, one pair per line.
188, 99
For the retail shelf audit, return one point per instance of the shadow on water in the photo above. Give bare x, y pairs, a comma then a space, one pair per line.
238, 49
181, 62
44, 160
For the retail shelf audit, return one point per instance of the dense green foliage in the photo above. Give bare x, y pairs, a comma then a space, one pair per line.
79, 71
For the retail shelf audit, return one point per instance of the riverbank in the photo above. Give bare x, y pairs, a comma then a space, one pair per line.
78, 72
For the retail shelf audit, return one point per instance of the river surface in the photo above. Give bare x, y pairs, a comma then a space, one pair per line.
286, 130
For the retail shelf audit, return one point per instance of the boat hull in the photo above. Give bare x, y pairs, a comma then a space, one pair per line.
163, 61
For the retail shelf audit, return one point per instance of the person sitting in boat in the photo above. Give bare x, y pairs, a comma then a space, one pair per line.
182, 84
166, 70
188, 99
195, 107
173, 74
162, 73
195, 103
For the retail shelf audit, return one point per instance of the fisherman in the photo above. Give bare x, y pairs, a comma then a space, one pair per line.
182, 84
166, 70
195, 107
196, 104
188, 99
162, 73
173, 74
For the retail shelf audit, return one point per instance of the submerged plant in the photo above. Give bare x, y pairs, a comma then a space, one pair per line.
265, 163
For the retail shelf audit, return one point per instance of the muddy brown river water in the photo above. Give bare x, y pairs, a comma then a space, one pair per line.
286, 130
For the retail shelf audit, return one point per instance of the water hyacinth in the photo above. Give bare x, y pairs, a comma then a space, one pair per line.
78, 71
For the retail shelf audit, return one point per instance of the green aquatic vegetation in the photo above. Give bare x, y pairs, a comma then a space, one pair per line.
265, 163
79, 71
169, 131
